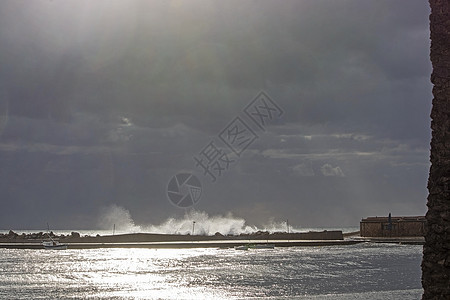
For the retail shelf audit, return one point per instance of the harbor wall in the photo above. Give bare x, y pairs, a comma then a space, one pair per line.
13, 237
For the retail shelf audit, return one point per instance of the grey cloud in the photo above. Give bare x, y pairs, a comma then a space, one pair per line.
303, 169
329, 170
102, 102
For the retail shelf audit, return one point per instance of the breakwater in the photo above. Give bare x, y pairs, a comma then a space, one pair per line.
148, 240
75, 237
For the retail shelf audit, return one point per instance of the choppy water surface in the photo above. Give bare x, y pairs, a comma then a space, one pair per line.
363, 271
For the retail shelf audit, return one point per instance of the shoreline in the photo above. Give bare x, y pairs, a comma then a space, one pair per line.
13, 240
185, 245
75, 237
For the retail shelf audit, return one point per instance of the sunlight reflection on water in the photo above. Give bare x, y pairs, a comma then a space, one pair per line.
300, 273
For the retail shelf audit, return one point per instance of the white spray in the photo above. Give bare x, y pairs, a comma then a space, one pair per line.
120, 218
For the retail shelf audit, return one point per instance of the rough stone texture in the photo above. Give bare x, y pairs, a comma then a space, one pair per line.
436, 252
399, 226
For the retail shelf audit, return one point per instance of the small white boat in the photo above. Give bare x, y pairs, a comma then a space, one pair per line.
53, 245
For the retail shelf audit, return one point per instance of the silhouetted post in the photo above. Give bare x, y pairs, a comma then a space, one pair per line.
436, 251
390, 225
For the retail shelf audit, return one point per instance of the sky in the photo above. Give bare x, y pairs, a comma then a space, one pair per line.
103, 102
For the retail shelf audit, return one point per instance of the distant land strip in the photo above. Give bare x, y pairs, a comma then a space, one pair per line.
14, 240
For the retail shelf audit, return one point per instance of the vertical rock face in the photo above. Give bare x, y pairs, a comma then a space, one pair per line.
436, 252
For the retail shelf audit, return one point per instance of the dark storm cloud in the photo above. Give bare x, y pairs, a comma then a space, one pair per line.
102, 102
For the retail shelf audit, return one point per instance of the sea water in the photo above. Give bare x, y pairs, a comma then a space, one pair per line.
361, 271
